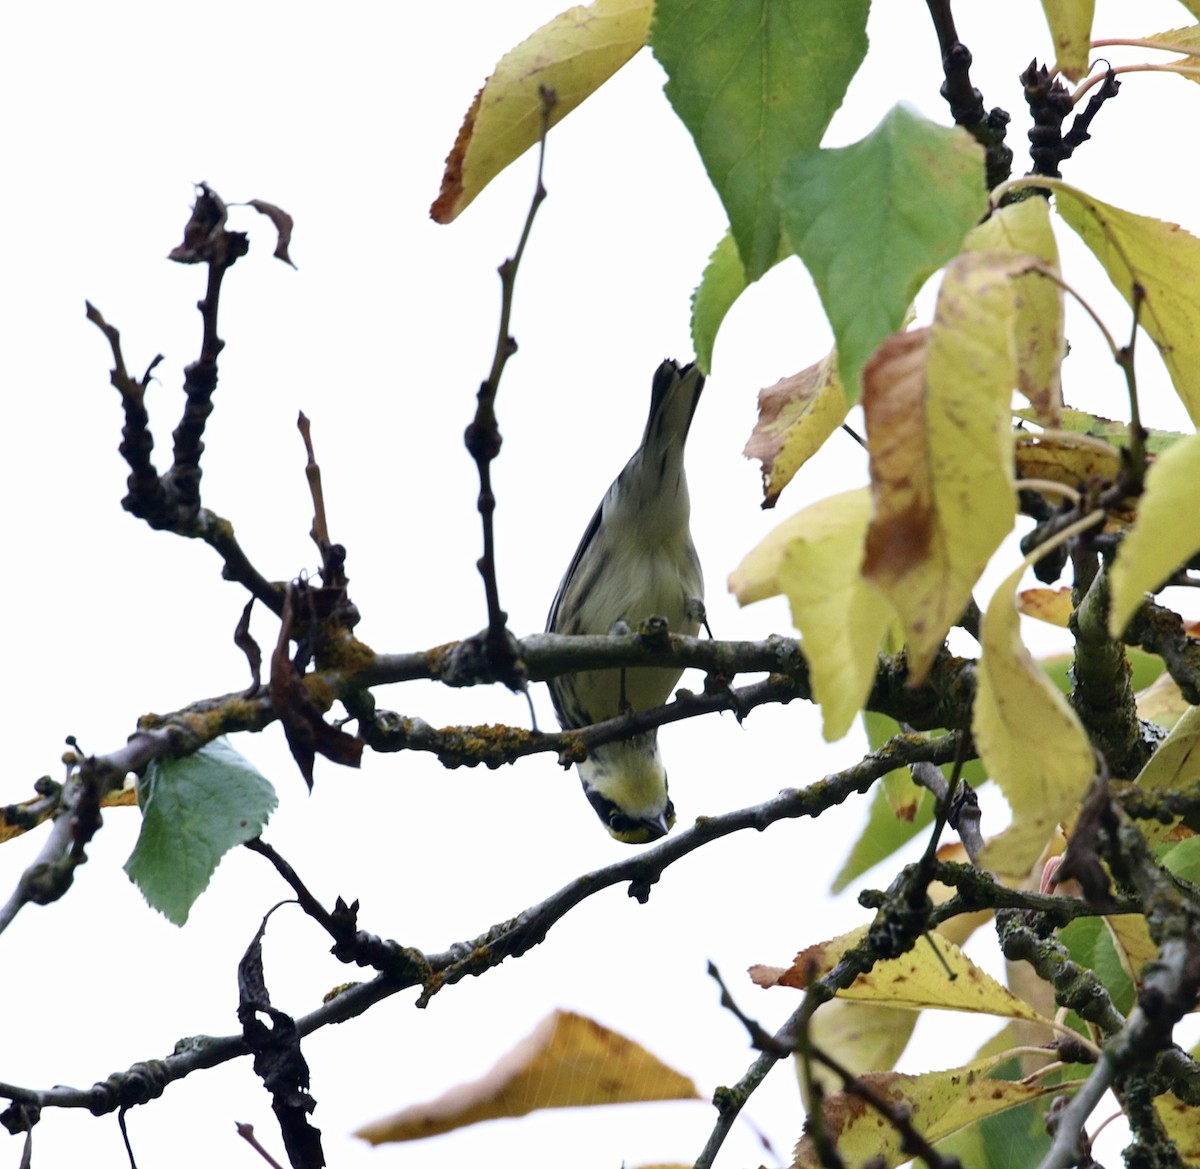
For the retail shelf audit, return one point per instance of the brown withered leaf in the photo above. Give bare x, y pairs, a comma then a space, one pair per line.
278, 1060
283, 225
205, 240
306, 730
243, 639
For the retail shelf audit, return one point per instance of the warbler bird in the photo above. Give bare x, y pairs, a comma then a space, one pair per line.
636, 560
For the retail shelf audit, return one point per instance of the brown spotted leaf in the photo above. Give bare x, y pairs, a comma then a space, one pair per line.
939, 1103
916, 980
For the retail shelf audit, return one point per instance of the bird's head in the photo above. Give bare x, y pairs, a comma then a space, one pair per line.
626, 784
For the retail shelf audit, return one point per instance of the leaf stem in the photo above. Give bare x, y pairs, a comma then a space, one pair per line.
1145, 67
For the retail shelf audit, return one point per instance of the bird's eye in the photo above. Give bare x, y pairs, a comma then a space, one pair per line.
619, 822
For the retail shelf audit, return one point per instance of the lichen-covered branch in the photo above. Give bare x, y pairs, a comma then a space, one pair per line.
405, 967
1102, 694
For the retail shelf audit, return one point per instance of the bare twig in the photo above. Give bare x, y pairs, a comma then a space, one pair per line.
483, 438
988, 128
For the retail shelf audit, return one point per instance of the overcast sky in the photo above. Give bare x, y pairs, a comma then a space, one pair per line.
381, 336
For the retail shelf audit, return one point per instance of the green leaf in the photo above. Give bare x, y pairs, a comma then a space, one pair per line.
194, 810
874, 220
1143, 667
1090, 943
1158, 543
1116, 433
724, 280
1183, 859
756, 82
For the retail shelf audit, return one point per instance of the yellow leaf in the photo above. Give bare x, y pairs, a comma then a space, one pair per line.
1162, 702
939, 1103
1182, 1124
1184, 40
1024, 229
1135, 947
813, 558
795, 417
862, 1037
937, 405
903, 795
574, 54
1050, 605
1158, 543
568, 1061
1070, 24
1061, 458
1161, 258
915, 981
1029, 739
1174, 766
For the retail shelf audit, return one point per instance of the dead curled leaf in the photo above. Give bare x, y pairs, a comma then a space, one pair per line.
283, 225
307, 732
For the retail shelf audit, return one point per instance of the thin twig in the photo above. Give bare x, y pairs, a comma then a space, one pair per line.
483, 436
1190, 71
912, 1141
246, 1132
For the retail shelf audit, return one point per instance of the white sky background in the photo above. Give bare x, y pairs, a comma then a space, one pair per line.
382, 337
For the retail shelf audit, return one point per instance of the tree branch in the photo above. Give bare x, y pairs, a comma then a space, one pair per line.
146, 1080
